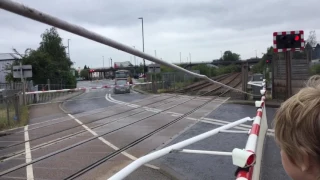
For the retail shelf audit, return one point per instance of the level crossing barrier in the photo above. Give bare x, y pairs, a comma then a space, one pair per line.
34, 14
247, 160
242, 158
82, 88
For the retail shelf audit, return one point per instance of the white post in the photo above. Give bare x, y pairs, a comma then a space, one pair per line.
23, 85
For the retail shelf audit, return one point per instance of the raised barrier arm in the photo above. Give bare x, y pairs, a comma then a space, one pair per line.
176, 147
255, 141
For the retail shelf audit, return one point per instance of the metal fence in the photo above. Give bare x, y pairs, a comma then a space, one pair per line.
13, 112
167, 81
50, 97
10, 111
46, 87
16, 85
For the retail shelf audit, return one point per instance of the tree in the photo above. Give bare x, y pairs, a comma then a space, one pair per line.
312, 38
229, 56
85, 67
260, 67
84, 73
50, 60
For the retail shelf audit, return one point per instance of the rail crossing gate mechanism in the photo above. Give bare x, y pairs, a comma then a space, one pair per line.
247, 160
288, 42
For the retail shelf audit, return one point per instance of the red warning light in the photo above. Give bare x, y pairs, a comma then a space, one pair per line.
296, 38
251, 160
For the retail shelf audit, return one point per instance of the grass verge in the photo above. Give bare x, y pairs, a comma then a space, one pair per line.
5, 124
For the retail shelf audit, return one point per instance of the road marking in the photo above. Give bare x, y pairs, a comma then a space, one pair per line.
205, 120
29, 168
109, 143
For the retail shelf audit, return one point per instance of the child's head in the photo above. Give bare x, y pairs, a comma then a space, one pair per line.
297, 132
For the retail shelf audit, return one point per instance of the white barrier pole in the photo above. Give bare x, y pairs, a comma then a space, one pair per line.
34, 14
147, 158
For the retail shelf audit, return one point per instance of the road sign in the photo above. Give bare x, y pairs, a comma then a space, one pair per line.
288, 41
26, 71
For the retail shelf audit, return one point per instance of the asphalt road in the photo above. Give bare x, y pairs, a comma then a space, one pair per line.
195, 166
120, 120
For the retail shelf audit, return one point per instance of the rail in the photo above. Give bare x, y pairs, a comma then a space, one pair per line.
34, 14
248, 160
245, 159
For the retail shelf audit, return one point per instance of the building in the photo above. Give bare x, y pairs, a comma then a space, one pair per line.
122, 64
6, 60
154, 68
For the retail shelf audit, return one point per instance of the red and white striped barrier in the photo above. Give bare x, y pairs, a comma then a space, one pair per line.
82, 88
246, 172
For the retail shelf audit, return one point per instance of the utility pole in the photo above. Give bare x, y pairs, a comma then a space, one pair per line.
23, 84
103, 61
68, 48
190, 57
144, 61
180, 57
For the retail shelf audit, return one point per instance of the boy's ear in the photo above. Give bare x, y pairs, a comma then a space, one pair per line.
306, 161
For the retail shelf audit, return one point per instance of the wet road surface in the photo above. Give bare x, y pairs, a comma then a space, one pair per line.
98, 124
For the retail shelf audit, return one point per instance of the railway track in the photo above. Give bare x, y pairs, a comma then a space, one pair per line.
105, 133
232, 81
8, 157
54, 141
201, 84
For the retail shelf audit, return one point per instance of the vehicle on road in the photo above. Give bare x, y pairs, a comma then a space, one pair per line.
121, 86
122, 74
136, 76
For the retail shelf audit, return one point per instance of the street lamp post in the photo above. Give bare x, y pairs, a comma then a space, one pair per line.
103, 73
144, 62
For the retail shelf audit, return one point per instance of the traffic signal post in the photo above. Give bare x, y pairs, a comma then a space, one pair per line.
287, 42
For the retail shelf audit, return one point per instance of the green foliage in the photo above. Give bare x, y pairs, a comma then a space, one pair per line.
205, 70
50, 61
84, 73
260, 67
315, 69
228, 69
230, 56
167, 69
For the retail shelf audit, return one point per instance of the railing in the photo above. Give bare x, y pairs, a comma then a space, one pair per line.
51, 96
10, 111
248, 160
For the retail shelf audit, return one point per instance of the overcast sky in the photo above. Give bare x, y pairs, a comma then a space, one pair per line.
203, 28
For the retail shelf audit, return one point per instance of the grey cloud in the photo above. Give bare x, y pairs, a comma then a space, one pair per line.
171, 26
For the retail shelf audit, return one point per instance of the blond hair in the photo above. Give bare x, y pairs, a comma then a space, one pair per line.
297, 123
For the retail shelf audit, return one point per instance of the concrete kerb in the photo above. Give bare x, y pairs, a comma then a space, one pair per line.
138, 90
61, 104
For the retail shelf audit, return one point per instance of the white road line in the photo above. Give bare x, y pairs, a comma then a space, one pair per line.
29, 168
110, 144
206, 120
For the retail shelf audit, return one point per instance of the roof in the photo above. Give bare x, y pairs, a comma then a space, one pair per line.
7, 56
